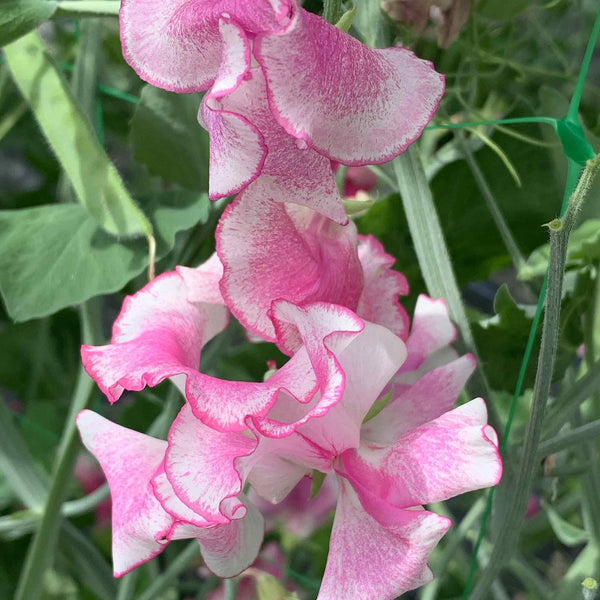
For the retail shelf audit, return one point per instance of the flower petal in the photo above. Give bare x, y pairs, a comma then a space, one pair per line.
158, 334
200, 465
129, 460
351, 103
411, 406
377, 550
451, 455
379, 299
177, 45
291, 172
277, 465
368, 363
231, 548
431, 331
273, 251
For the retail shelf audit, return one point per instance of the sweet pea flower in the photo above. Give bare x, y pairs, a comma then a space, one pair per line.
162, 328
417, 450
147, 514
286, 91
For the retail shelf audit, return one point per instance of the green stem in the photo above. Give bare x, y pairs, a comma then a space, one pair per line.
507, 237
332, 10
181, 563
508, 536
87, 8
547, 120
230, 588
565, 405
41, 550
589, 431
432, 252
127, 586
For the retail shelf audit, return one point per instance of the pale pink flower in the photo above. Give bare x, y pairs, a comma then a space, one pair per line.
161, 329
417, 451
146, 513
316, 93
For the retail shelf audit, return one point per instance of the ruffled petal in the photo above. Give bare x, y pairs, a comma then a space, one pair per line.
200, 466
379, 299
291, 172
177, 44
351, 103
377, 550
129, 460
368, 363
159, 333
411, 406
313, 334
451, 455
273, 251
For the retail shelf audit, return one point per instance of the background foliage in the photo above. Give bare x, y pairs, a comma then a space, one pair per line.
96, 168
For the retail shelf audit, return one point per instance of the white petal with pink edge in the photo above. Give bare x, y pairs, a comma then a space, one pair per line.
451, 455
353, 104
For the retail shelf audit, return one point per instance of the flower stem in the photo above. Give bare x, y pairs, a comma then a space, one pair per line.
432, 252
41, 550
162, 582
508, 536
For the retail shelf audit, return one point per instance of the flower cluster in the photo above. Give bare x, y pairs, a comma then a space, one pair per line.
366, 397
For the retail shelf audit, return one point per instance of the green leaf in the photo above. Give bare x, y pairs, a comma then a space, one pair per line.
95, 179
17, 17
167, 138
568, 534
318, 477
501, 340
52, 257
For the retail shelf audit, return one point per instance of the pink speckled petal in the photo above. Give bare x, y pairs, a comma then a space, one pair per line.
431, 330
379, 300
353, 104
450, 455
378, 551
273, 251
429, 398
177, 44
200, 466
138, 519
159, 333
291, 172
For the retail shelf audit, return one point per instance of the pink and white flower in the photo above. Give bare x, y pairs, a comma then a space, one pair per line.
386, 467
317, 93
146, 512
